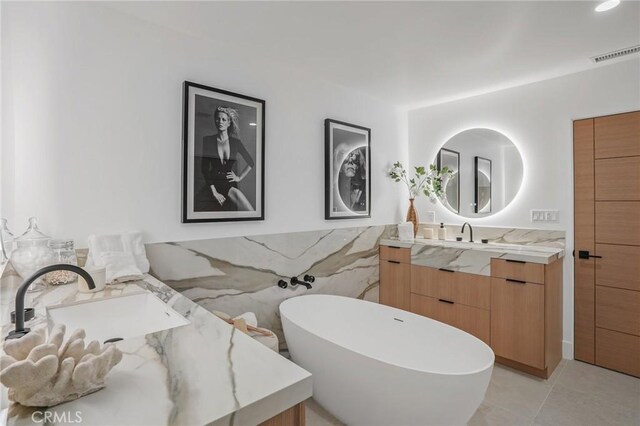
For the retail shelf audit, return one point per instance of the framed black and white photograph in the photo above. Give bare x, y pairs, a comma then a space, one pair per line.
347, 170
223, 155
482, 185
451, 194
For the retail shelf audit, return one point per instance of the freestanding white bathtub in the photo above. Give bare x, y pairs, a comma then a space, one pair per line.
377, 365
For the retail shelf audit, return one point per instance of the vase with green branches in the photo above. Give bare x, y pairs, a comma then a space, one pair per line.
428, 181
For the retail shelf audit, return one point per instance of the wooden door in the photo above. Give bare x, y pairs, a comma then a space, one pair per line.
607, 241
395, 284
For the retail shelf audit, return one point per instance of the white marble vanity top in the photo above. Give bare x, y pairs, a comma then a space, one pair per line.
205, 372
472, 257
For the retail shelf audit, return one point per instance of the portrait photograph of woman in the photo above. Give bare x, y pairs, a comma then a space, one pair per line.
347, 171
223, 155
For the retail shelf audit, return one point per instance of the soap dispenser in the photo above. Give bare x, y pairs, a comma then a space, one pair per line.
442, 232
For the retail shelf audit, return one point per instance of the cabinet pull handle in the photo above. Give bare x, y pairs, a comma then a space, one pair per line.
516, 281
393, 261
394, 247
445, 270
515, 261
446, 301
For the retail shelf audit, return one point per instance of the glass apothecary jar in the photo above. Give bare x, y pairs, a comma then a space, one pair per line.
31, 252
6, 238
63, 252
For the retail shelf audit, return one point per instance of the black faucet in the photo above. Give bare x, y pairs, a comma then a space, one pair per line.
470, 231
296, 281
22, 291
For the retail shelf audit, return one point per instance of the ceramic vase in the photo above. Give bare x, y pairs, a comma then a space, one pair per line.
412, 216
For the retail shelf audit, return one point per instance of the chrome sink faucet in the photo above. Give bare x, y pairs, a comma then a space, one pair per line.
22, 291
470, 231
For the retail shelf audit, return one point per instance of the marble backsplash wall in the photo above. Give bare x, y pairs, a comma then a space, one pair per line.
532, 237
240, 274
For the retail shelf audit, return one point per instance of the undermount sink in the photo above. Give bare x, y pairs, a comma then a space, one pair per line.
126, 316
478, 244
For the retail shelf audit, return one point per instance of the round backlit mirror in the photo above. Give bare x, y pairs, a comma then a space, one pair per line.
487, 172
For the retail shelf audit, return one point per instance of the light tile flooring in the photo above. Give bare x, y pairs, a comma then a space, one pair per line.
576, 394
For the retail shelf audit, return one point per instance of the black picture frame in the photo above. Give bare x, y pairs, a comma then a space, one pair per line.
458, 171
208, 164
477, 187
347, 152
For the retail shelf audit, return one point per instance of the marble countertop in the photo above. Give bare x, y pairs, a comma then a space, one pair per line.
205, 372
472, 257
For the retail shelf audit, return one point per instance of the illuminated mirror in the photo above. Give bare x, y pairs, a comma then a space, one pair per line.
487, 172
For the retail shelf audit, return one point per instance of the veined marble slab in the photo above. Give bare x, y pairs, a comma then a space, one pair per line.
473, 258
205, 372
237, 275
519, 236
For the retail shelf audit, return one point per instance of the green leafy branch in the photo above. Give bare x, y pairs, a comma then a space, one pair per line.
428, 182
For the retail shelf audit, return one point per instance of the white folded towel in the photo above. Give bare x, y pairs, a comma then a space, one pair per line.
120, 267
122, 255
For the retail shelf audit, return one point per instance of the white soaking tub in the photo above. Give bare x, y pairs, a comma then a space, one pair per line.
377, 365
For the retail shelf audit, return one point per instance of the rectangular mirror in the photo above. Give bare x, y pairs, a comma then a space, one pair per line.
483, 185
451, 159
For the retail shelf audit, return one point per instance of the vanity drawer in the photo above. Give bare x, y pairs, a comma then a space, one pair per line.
396, 254
395, 283
458, 287
474, 321
618, 309
518, 270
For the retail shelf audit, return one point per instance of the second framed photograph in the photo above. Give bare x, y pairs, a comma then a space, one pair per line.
347, 170
223, 155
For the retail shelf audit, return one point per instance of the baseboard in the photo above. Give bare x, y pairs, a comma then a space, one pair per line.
567, 349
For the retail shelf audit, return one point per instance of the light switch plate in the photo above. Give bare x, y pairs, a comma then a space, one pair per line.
430, 217
545, 216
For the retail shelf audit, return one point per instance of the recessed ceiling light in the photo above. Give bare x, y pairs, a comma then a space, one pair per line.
252, 124
607, 5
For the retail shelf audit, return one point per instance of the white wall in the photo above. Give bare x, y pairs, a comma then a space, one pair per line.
538, 119
91, 137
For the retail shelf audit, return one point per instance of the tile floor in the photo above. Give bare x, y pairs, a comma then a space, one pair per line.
576, 394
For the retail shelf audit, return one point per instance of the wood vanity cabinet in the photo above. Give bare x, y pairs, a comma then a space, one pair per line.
526, 315
517, 310
395, 277
294, 416
455, 298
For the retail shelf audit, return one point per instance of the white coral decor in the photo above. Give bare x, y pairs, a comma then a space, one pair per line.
43, 373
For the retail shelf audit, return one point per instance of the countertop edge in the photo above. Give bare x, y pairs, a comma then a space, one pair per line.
524, 253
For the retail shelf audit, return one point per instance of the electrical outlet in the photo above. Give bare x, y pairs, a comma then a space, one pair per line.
545, 215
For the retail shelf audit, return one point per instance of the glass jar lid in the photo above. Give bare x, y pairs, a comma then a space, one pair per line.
32, 236
6, 234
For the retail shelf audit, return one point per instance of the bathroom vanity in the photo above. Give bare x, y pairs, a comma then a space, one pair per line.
203, 371
509, 296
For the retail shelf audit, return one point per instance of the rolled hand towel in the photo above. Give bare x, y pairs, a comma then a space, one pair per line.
122, 255
120, 267
127, 242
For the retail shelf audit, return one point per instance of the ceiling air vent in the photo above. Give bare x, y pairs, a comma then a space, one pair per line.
616, 54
